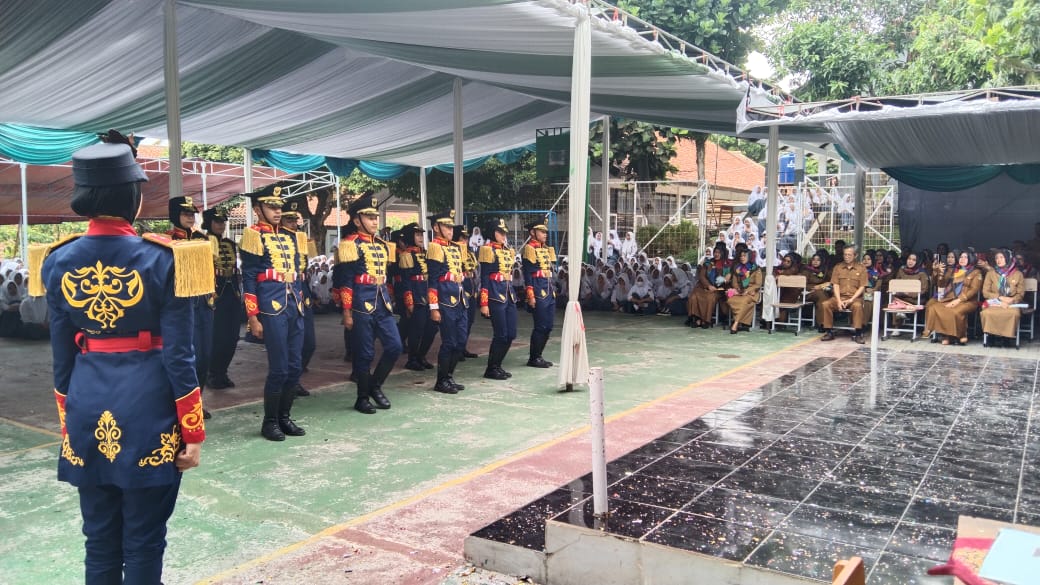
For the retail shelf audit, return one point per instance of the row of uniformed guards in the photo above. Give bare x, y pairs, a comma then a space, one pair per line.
367, 302
419, 330
128, 399
448, 302
497, 297
227, 308
537, 259
470, 283
305, 249
273, 300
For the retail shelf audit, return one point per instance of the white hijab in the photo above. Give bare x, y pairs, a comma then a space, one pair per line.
641, 288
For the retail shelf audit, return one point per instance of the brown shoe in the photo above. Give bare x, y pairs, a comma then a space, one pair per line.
829, 336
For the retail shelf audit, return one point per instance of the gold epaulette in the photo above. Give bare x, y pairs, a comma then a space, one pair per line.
312, 249
552, 254
251, 242
391, 249
406, 261
347, 251
435, 252
527, 253
214, 241
486, 254
37, 254
192, 265
301, 243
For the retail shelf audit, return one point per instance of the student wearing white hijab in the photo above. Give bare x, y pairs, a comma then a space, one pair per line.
641, 295
629, 248
619, 298
475, 240
614, 245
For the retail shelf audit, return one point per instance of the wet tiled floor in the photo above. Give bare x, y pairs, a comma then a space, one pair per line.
829, 461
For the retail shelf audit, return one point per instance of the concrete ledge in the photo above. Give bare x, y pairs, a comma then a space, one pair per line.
506, 558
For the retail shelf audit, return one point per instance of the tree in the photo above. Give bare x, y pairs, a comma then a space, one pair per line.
749, 148
212, 152
721, 27
638, 150
495, 185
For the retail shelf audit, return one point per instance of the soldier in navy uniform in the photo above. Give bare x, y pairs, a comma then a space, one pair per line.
227, 311
128, 399
497, 297
447, 299
182, 212
393, 276
338, 275
367, 305
413, 269
305, 249
537, 260
470, 285
274, 307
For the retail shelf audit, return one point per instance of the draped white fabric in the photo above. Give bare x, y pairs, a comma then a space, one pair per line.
351, 78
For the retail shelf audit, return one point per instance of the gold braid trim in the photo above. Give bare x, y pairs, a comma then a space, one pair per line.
486, 254
552, 254
37, 254
193, 268
528, 254
169, 444
251, 242
347, 251
301, 243
68, 454
391, 248
406, 261
108, 434
435, 252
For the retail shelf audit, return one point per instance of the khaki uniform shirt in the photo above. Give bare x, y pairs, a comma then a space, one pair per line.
849, 278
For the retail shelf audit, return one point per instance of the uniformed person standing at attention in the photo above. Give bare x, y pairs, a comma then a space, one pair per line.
849, 280
393, 276
124, 373
305, 248
497, 297
537, 263
470, 285
182, 217
274, 307
228, 306
367, 306
411, 263
447, 299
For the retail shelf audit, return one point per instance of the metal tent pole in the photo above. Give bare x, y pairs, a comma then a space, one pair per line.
605, 187
423, 203
171, 75
457, 138
205, 195
247, 178
24, 241
860, 211
772, 185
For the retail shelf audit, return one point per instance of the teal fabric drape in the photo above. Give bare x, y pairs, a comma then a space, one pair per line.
1025, 174
507, 156
467, 165
944, 179
383, 171
290, 163
41, 146
341, 167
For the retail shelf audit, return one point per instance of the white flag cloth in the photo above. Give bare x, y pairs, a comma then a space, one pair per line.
770, 295
574, 353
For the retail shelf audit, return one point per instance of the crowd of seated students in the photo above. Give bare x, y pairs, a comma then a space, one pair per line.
21, 315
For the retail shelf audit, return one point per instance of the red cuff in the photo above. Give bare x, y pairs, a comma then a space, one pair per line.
346, 296
530, 293
433, 297
483, 297
252, 308
189, 415
60, 399
409, 299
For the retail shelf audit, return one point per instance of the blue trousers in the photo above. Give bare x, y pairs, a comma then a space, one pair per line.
310, 340
283, 338
544, 315
453, 330
227, 322
421, 331
202, 338
503, 321
367, 327
474, 304
126, 532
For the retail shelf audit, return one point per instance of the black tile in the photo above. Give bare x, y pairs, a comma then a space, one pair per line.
701, 450
652, 450
686, 469
1028, 518
856, 529
904, 570
975, 452
847, 433
681, 436
740, 507
743, 438
969, 492
881, 478
976, 470
805, 556
656, 491
747, 422
905, 459
773, 485
859, 499
526, 527
626, 518
708, 536
920, 540
790, 464
944, 514
817, 449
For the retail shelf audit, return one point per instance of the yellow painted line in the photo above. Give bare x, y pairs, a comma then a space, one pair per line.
27, 449
30, 427
478, 472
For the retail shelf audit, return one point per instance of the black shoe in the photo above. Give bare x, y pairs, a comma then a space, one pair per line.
206, 415
733, 331
469, 354
415, 365
425, 364
301, 391
829, 336
218, 383
364, 406
688, 322
458, 387
377, 396
705, 325
271, 431
858, 339
507, 374
495, 374
290, 428
538, 362
445, 386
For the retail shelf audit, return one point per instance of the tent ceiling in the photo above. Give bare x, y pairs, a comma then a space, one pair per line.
350, 79
51, 188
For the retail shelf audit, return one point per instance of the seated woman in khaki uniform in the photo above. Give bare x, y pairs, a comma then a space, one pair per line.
711, 280
913, 269
817, 283
745, 280
948, 313
1004, 286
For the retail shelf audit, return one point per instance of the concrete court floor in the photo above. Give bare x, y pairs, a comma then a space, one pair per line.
386, 498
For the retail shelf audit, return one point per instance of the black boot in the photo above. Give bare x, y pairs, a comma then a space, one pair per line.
455, 359
378, 377
538, 341
364, 384
468, 354
286, 424
444, 384
270, 428
414, 364
301, 391
494, 369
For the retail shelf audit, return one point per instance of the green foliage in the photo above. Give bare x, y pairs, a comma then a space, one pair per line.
10, 242
834, 59
495, 185
749, 148
358, 182
212, 152
678, 240
638, 150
